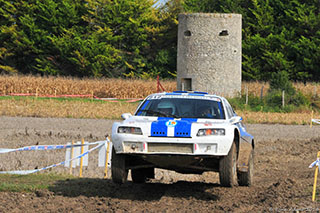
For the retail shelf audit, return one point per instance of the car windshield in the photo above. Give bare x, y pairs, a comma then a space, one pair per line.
182, 108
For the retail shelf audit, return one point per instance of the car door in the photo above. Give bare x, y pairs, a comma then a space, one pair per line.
244, 135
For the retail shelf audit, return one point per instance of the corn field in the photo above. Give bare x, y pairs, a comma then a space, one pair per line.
114, 88
102, 88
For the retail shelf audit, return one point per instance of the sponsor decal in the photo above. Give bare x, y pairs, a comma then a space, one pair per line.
171, 123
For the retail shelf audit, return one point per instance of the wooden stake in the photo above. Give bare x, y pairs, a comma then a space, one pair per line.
81, 159
107, 158
72, 150
315, 180
247, 95
261, 93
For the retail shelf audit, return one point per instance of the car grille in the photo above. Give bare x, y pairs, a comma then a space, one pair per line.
170, 147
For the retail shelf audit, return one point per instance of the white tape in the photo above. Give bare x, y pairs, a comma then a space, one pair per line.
76, 152
316, 121
102, 155
25, 172
45, 147
315, 163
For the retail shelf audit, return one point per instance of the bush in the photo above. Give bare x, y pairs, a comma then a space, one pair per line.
272, 102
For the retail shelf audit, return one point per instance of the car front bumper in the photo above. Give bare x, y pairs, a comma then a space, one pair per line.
138, 144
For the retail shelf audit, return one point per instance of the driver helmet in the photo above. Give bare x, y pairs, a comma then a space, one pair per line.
167, 106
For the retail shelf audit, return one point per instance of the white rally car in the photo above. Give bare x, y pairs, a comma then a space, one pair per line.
188, 132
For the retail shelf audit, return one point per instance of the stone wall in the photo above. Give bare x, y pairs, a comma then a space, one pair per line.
209, 53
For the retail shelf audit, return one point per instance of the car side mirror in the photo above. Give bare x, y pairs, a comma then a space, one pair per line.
236, 119
125, 116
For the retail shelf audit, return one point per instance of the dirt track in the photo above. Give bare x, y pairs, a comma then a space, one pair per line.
282, 180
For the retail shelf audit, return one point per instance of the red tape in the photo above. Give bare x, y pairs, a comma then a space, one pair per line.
72, 96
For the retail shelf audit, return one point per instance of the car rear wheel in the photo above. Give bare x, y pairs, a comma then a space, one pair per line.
119, 172
245, 178
228, 168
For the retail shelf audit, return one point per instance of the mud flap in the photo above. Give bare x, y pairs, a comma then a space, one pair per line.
244, 155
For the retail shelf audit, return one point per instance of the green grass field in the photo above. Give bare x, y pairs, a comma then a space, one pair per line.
29, 183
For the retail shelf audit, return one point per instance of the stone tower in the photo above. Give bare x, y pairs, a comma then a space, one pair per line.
209, 53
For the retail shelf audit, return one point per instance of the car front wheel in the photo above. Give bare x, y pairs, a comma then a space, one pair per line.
245, 178
228, 168
119, 172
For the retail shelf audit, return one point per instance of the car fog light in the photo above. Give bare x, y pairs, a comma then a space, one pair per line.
130, 130
206, 132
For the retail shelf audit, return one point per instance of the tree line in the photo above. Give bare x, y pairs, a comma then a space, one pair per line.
138, 38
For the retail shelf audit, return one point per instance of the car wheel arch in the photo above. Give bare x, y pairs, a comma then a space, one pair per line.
236, 140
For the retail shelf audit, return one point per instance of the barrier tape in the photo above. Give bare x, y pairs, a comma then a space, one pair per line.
74, 96
117, 100
44, 147
50, 147
315, 163
317, 121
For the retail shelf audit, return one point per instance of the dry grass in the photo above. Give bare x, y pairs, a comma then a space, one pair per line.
103, 88
31, 107
301, 118
256, 87
115, 88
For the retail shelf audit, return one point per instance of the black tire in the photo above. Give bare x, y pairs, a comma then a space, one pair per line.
245, 178
228, 168
119, 172
142, 175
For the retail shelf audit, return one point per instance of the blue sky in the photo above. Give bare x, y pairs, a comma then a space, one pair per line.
161, 1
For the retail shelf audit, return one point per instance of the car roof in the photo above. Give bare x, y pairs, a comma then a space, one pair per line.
188, 93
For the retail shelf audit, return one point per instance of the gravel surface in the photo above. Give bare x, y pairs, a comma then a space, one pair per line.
282, 180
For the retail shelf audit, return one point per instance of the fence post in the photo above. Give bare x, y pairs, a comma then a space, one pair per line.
37, 91
72, 150
315, 179
158, 89
261, 92
107, 158
247, 95
81, 159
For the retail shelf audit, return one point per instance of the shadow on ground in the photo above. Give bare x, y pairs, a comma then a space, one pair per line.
91, 187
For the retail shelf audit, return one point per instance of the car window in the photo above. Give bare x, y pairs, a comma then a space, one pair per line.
182, 108
229, 109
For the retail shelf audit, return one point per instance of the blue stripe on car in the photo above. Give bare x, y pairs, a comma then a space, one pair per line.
243, 133
183, 127
159, 128
143, 107
195, 94
221, 111
173, 93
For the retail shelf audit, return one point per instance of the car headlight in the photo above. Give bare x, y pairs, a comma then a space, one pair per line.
129, 130
207, 132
